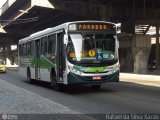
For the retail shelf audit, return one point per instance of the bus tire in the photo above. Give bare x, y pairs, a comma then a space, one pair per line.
29, 76
96, 87
54, 84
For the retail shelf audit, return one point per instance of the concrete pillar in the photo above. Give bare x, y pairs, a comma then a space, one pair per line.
157, 48
126, 59
4, 53
8, 49
9, 54
141, 60
4, 48
141, 50
125, 53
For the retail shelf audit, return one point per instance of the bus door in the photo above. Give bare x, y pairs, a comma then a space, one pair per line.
60, 57
37, 59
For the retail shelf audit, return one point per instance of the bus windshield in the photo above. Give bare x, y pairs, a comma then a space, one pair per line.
91, 48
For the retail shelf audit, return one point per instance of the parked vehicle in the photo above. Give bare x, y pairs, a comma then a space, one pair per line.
2, 66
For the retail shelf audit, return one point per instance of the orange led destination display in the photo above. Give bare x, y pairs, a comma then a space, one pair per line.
90, 26
73, 55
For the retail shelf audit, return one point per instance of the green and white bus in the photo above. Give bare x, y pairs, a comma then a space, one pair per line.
80, 52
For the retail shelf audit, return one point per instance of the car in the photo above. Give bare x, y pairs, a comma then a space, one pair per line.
2, 67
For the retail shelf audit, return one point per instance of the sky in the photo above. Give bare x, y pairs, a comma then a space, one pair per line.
2, 2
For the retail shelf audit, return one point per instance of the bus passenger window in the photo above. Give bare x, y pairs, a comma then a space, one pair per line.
24, 49
51, 43
44, 45
32, 48
28, 48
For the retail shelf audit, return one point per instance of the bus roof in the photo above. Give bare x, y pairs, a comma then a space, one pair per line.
59, 27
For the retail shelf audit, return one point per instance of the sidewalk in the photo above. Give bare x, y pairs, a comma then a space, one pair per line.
132, 76
150, 80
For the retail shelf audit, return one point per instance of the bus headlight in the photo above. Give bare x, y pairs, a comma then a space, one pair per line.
114, 68
74, 70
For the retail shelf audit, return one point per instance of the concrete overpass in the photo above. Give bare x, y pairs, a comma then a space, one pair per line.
20, 18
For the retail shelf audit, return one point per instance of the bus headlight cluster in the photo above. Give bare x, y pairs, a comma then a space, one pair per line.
114, 68
74, 70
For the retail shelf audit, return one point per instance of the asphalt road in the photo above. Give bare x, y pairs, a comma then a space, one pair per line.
122, 97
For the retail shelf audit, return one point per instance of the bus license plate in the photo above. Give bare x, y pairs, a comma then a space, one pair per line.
96, 78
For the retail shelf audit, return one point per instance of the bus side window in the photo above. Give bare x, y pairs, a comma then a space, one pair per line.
28, 48
44, 45
27, 45
51, 43
32, 48
24, 49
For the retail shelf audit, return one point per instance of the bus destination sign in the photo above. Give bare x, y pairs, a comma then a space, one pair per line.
95, 26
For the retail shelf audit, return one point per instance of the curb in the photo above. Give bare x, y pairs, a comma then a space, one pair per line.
139, 77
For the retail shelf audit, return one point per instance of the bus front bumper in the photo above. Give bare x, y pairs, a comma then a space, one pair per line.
76, 79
